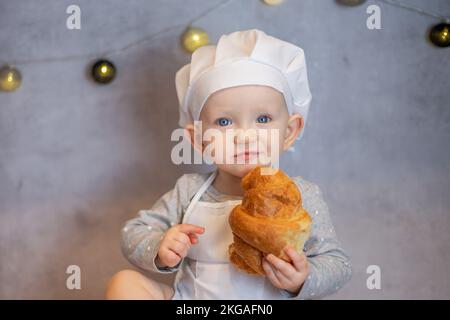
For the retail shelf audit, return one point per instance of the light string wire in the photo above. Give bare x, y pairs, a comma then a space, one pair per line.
401, 5
208, 11
203, 14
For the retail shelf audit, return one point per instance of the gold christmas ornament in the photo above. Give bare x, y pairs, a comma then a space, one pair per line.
103, 71
273, 2
10, 78
350, 2
194, 38
440, 35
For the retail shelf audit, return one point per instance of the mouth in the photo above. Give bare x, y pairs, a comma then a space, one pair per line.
247, 154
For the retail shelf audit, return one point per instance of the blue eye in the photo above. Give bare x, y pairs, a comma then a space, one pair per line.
223, 122
263, 119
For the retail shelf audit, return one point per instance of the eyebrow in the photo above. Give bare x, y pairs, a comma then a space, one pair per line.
223, 113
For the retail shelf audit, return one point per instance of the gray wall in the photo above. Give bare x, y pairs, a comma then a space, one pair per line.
78, 159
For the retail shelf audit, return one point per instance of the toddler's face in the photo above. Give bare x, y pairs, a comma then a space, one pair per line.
253, 124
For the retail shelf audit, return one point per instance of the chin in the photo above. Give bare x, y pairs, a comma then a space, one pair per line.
237, 170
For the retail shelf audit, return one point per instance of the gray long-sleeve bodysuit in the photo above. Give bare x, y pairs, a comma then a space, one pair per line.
330, 267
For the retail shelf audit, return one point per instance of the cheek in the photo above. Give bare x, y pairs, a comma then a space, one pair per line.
281, 139
273, 138
219, 145
282, 136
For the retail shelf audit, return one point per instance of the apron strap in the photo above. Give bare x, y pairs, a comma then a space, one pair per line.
200, 191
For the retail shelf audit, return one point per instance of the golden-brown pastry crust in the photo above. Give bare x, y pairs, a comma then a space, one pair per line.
270, 218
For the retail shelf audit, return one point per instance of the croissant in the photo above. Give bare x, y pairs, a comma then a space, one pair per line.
269, 218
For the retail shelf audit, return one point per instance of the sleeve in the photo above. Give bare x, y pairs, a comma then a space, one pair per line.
141, 236
329, 265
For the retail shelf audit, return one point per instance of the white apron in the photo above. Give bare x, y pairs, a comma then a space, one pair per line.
207, 272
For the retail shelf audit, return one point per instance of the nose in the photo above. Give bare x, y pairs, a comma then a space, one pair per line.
243, 136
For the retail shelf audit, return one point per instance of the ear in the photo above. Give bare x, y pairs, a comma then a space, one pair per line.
194, 135
294, 127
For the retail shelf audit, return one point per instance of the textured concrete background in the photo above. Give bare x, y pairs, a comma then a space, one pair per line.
78, 159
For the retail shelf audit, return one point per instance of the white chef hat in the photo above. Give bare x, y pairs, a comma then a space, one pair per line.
247, 57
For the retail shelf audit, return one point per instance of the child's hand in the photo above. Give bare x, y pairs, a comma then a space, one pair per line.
285, 275
176, 243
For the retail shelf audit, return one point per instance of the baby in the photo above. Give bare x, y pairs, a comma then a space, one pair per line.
249, 82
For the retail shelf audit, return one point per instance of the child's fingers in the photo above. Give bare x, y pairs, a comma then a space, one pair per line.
284, 278
284, 267
182, 252
193, 235
183, 238
190, 228
271, 274
177, 247
193, 238
298, 260
186, 239
170, 258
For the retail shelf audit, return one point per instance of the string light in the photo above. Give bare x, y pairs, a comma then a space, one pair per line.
193, 38
440, 35
350, 2
10, 78
273, 2
103, 71
191, 23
